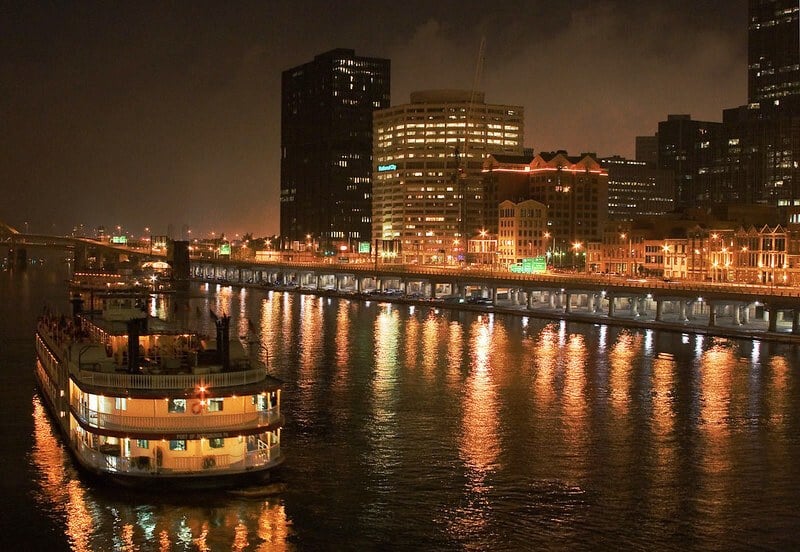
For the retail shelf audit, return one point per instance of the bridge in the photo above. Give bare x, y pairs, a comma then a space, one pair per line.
678, 304
83, 249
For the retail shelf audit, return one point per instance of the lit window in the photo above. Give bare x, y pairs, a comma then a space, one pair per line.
177, 405
177, 444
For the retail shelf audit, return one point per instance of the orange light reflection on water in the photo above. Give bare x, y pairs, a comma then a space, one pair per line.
431, 349
575, 403
665, 451
59, 488
621, 368
479, 442
777, 391
546, 354
222, 300
343, 343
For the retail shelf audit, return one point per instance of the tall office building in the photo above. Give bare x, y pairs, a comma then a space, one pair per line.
636, 188
647, 150
751, 157
684, 147
773, 55
326, 147
428, 192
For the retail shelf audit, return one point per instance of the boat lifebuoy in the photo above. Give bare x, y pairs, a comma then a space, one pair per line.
197, 408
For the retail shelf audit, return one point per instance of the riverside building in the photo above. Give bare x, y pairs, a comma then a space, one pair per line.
326, 148
427, 185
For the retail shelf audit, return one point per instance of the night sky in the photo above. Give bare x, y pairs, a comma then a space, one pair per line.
157, 113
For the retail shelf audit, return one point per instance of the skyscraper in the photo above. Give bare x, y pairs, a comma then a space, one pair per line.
773, 55
428, 191
685, 147
326, 147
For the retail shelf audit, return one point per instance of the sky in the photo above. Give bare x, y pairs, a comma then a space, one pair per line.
167, 114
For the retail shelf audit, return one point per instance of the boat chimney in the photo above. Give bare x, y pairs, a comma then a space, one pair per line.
136, 327
77, 305
223, 324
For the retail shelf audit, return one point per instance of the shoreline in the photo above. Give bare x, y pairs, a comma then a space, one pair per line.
756, 331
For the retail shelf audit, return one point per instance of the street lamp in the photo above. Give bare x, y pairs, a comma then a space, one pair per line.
576, 247
547, 254
628, 254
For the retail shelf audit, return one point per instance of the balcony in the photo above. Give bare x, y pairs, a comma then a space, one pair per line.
204, 422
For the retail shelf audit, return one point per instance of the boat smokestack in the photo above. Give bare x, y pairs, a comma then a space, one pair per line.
136, 328
223, 324
77, 305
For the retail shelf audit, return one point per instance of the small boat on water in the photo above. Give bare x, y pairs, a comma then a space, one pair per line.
139, 401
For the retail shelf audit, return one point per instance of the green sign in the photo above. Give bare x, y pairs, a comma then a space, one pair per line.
384, 168
119, 239
363, 247
225, 249
534, 265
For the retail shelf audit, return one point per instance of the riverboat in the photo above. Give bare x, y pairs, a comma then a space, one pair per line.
138, 400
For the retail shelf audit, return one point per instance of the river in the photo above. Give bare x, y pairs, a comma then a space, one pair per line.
412, 428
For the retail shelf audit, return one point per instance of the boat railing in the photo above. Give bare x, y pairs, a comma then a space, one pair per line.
204, 421
262, 456
171, 381
150, 465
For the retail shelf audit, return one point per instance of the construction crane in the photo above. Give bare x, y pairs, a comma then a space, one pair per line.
461, 172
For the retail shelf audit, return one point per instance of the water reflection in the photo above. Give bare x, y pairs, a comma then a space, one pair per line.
448, 430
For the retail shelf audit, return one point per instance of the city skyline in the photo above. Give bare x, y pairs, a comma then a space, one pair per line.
159, 115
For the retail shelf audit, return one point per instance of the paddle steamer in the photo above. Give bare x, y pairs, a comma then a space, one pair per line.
138, 400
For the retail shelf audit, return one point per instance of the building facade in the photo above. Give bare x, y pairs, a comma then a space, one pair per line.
637, 189
773, 55
326, 147
523, 231
428, 156
684, 147
505, 177
575, 191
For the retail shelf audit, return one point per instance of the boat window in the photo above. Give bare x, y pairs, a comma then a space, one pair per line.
121, 403
260, 401
216, 443
178, 444
215, 405
142, 443
177, 405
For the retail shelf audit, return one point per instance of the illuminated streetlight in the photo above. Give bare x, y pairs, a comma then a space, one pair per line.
576, 247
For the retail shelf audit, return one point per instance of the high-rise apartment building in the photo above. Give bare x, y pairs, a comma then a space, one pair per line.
428, 156
773, 55
326, 147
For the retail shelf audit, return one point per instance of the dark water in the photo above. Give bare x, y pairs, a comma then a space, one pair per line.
416, 429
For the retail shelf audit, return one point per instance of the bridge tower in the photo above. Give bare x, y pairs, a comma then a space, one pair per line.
178, 257
17, 255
